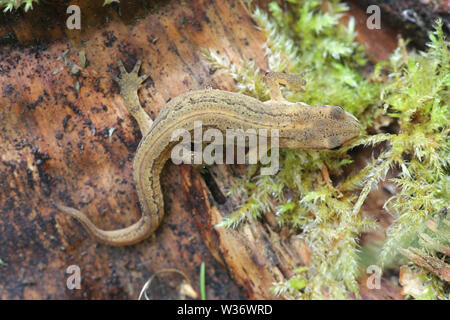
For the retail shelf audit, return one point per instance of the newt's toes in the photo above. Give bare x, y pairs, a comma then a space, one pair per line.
121, 66
144, 77
137, 66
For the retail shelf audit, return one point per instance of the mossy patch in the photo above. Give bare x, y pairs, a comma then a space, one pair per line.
10, 5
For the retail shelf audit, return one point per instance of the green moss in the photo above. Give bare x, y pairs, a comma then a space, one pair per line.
10, 5
414, 93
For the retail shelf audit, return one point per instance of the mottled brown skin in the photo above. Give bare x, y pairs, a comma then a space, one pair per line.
300, 126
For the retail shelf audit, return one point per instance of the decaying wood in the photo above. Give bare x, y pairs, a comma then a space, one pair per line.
66, 136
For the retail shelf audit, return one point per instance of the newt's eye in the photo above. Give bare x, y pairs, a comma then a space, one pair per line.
337, 113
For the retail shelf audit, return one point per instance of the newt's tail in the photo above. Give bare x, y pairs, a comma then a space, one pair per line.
135, 233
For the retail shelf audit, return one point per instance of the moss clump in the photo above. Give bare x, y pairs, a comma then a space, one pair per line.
413, 91
10, 5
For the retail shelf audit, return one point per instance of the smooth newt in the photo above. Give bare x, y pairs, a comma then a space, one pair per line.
299, 125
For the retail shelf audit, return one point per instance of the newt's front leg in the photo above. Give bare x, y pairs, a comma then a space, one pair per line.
274, 79
129, 83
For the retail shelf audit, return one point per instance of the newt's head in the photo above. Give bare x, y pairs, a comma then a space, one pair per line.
318, 127
346, 127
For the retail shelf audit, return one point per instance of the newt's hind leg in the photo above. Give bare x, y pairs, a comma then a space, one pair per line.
274, 79
129, 83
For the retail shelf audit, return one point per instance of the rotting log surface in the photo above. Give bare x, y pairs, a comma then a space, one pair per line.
77, 147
